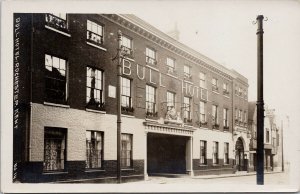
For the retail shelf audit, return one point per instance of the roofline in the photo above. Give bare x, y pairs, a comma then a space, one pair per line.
148, 27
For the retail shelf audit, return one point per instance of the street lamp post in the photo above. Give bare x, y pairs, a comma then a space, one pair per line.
260, 103
119, 73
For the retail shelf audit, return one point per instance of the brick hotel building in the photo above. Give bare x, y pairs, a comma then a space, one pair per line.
182, 113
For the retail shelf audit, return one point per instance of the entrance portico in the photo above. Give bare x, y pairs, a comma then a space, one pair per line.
168, 149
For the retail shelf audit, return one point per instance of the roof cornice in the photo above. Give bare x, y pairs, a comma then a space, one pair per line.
151, 33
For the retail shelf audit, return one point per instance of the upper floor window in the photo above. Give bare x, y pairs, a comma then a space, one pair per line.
54, 149
240, 115
267, 136
215, 152
55, 79
170, 100
94, 149
150, 100
236, 90
245, 117
187, 109
126, 92
171, 65
240, 91
57, 20
94, 32
215, 115
126, 150
226, 153
127, 46
202, 77
187, 71
225, 118
203, 150
236, 114
215, 84
94, 88
225, 89
202, 112
150, 56
245, 94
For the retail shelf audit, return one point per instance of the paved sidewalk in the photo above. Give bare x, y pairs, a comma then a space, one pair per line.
231, 175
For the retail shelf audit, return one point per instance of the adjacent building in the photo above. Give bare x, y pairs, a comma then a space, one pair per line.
182, 113
272, 139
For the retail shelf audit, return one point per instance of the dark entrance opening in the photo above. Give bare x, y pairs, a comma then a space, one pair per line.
166, 154
240, 157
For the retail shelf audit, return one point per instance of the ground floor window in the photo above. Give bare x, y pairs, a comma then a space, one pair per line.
54, 149
215, 152
126, 150
94, 151
203, 152
226, 153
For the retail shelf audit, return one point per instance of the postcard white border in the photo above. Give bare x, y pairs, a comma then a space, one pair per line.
8, 8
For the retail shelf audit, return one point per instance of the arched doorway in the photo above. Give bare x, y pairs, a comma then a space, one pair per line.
240, 160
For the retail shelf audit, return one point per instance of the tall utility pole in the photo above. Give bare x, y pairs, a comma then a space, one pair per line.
119, 74
260, 103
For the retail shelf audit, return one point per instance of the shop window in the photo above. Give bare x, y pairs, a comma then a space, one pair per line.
55, 79
226, 153
203, 150
215, 152
54, 149
126, 150
94, 149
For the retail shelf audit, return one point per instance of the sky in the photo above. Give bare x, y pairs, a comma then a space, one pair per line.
224, 32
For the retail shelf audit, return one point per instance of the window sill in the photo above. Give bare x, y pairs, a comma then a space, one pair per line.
95, 111
129, 59
94, 170
155, 69
226, 96
188, 81
203, 165
216, 165
96, 46
215, 92
129, 116
173, 76
226, 164
56, 105
55, 30
154, 120
55, 172
127, 169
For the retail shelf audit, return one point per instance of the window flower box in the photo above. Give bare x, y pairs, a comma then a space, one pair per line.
151, 115
215, 126
93, 104
127, 110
